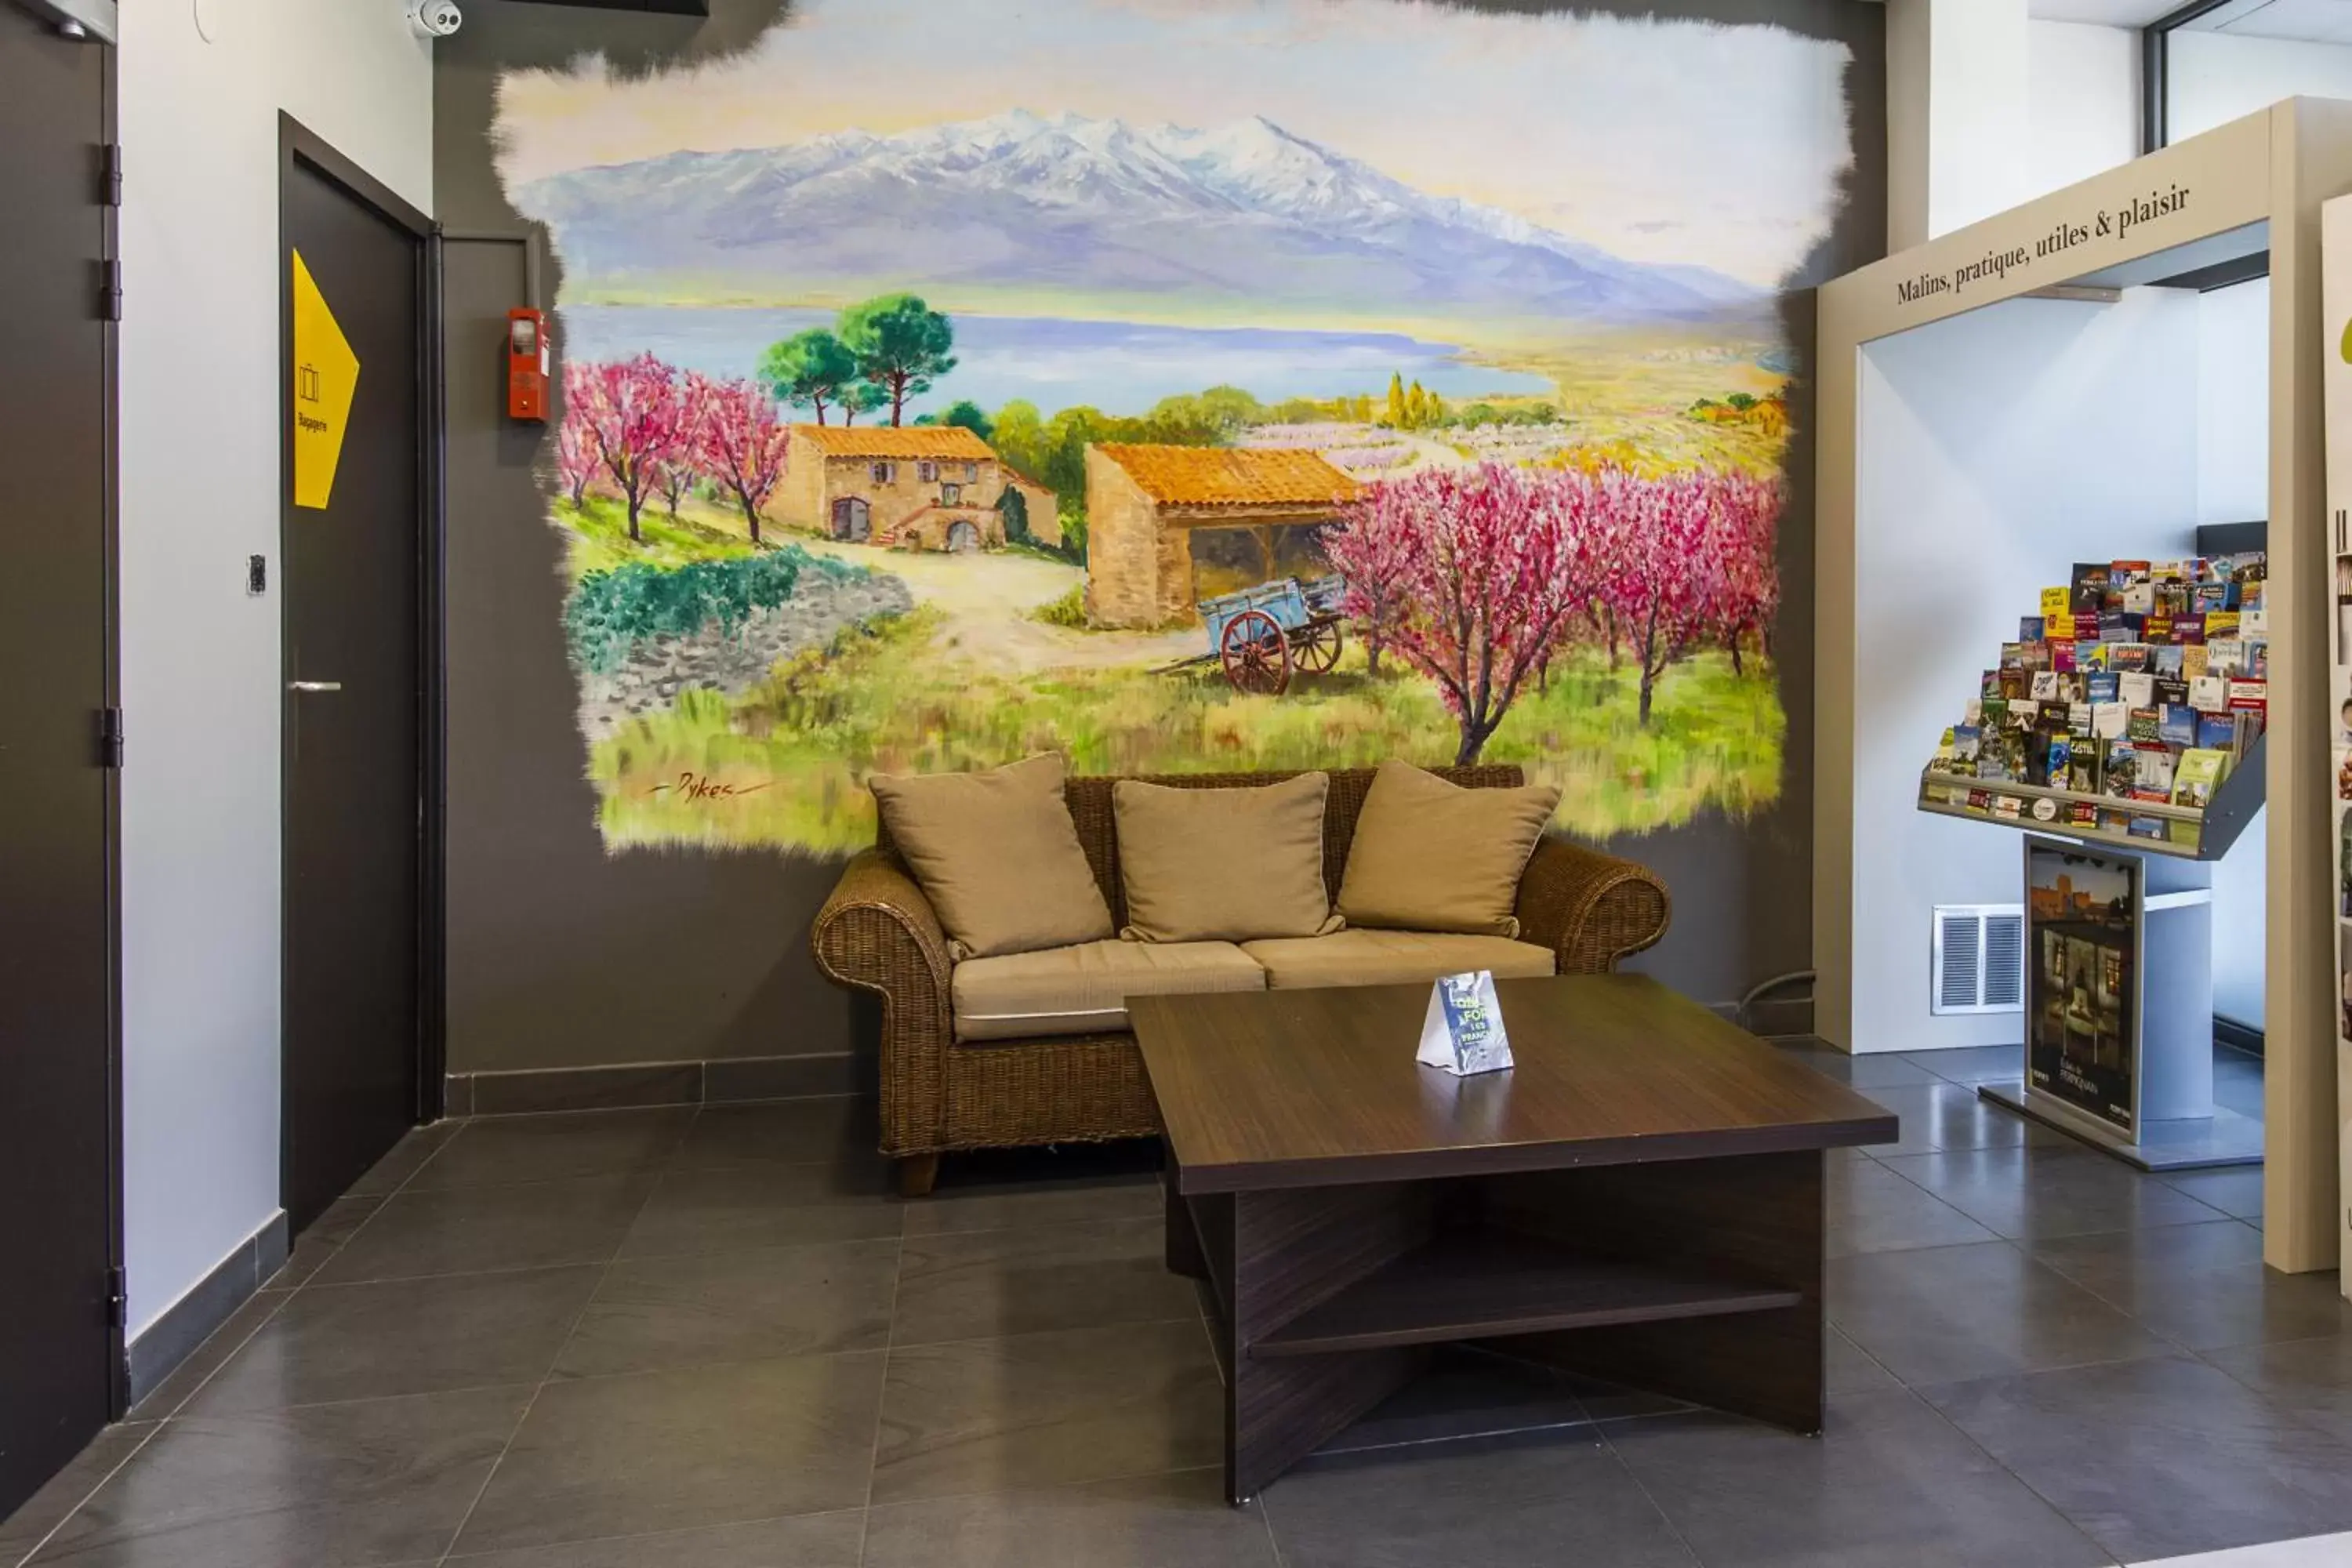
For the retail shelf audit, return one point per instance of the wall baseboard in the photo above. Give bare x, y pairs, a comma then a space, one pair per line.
1774, 1017
2236, 1036
714, 1082
192, 1319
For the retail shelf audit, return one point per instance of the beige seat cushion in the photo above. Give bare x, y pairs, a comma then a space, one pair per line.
1222, 865
1430, 856
997, 855
1082, 990
1367, 957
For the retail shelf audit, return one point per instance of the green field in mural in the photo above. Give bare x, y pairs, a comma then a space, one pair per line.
1215, 418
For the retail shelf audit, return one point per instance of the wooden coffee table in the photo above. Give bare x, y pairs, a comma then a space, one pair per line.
1639, 1199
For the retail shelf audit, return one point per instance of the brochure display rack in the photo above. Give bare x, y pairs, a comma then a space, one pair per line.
2130, 711
2047, 383
2124, 730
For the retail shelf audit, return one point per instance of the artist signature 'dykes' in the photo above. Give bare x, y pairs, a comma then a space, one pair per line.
702, 786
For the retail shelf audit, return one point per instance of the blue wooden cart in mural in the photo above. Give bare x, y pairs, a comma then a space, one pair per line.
1261, 635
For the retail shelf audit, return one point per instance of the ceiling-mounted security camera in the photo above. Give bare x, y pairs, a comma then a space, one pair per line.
434, 18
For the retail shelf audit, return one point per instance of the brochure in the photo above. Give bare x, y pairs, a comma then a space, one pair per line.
2200, 773
2152, 773
2119, 773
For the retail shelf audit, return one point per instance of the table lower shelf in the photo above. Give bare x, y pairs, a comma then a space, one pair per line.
1697, 1279
1492, 1285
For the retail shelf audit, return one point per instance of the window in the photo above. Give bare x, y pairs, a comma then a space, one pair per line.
971, 471
950, 495
886, 473
927, 473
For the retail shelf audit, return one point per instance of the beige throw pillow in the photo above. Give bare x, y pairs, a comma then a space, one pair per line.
1432, 856
997, 855
1222, 865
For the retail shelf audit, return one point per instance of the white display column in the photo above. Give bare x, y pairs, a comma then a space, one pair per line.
1959, 115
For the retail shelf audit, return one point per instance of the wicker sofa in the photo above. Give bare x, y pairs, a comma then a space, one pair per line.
878, 932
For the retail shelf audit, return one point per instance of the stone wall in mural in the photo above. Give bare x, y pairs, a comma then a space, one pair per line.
1213, 385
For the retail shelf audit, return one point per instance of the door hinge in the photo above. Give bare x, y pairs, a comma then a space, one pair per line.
111, 295
110, 171
110, 737
118, 1298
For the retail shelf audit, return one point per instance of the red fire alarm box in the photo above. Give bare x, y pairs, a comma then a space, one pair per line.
527, 365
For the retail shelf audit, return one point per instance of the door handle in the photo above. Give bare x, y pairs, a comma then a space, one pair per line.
314, 686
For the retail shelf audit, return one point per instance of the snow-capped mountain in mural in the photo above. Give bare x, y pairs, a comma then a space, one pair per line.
1021, 205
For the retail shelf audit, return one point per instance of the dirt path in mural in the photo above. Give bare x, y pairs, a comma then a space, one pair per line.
986, 597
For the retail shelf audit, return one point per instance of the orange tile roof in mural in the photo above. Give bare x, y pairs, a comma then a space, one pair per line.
1230, 476
895, 441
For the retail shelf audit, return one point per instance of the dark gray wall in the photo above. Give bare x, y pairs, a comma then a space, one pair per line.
561, 955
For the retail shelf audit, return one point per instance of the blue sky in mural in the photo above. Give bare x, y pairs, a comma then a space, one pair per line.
1681, 144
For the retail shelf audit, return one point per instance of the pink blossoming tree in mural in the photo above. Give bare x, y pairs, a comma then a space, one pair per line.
1478, 577
1660, 585
1376, 549
577, 459
675, 476
636, 411
674, 481
741, 444
1747, 522
1495, 582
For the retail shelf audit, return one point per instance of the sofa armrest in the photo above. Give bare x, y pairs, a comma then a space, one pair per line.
1588, 908
878, 932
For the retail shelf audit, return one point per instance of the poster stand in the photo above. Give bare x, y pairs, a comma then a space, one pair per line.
2119, 1007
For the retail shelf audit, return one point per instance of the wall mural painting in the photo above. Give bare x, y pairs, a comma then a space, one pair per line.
1220, 384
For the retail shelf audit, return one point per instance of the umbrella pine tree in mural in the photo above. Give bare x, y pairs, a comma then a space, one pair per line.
810, 370
963, 403
899, 345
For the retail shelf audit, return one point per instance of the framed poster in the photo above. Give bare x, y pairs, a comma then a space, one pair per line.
2081, 980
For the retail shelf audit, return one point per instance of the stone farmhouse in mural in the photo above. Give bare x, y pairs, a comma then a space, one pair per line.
917, 487
1168, 526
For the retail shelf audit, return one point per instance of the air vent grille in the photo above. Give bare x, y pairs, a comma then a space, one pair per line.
1978, 959
2004, 963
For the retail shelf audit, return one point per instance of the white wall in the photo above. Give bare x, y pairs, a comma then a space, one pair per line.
199, 409
2220, 76
2233, 486
2083, 101
1998, 447
1957, 117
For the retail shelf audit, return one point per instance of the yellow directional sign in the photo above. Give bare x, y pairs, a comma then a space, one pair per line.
326, 376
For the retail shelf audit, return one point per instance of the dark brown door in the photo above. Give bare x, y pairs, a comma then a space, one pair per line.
354, 569
58, 1348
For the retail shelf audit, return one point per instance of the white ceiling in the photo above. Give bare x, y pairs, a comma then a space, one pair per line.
2111, 12
2316, 21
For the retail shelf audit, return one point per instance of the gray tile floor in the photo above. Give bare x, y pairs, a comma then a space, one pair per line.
675, 1338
